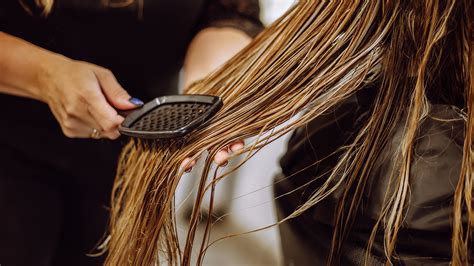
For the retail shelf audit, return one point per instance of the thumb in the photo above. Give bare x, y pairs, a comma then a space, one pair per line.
117, 96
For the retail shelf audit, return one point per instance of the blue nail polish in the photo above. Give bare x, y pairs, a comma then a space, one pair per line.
136, 101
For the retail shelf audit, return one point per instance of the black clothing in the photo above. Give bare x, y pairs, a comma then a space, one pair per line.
426, 233
144, 52
49, 216
53, 189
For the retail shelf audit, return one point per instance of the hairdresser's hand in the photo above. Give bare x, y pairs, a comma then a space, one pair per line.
84, 98
221, 157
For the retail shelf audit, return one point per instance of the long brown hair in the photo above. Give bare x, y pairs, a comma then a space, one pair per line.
314, 57
46, 6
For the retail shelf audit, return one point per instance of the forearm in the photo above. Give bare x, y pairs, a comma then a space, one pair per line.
23, 66
210, 49
83, 97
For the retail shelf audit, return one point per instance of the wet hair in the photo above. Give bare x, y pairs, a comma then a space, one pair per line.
311, 59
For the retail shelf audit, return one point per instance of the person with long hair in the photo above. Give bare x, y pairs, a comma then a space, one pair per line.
380, 168
62, 67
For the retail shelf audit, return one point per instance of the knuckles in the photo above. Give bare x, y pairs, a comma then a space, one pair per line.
71, 110
107, 73
68, 124
69, 133
77, 96
120, 93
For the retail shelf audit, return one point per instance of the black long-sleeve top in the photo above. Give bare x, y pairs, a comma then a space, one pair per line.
425, 236
143, 44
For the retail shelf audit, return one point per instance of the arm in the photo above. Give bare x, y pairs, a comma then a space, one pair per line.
81, 96
225, 27
21, 64
228, 26
210, 49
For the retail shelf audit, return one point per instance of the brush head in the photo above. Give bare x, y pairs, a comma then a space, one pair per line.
170, 116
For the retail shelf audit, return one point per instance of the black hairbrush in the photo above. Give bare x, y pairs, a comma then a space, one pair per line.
170, 116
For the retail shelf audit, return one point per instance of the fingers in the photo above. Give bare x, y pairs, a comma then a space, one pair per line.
221, 157
93, 112
111, 132
75, 128
117, 96
106, 100
110, 93
237, 145
84, 97
188, 164
105, 115
83, 126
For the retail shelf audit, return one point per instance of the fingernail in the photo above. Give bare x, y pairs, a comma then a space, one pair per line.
136, 101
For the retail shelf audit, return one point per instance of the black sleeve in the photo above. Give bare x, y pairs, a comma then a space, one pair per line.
313, 149
16, 21
243, 15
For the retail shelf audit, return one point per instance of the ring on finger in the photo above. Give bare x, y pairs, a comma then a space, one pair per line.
95, 133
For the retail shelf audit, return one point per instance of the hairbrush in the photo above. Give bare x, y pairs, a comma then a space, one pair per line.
170, 116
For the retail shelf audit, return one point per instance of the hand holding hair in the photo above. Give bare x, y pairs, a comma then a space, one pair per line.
221, 158
210, 49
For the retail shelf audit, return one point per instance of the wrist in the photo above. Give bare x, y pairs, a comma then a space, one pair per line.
27, 70
46, 70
